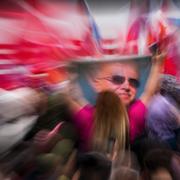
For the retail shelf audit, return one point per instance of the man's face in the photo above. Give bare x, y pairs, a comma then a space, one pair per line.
122, 78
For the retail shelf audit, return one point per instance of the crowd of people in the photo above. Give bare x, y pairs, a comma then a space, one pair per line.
120, 137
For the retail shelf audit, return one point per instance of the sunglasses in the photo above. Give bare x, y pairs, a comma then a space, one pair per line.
118, 80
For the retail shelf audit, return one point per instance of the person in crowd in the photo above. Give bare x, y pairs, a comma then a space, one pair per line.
126, 168
104, 127
163, 117
123, 79
163, 120
19, 110
93, 165
159, 164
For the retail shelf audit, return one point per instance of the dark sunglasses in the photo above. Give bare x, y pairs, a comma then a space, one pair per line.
118, 80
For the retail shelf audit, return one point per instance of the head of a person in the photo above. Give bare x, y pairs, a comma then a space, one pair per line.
158, 165
93, 165
120, 77
110, 122
124, 173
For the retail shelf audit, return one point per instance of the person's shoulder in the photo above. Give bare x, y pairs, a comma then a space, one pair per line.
85, 112
137, 107
137, 102
87, 107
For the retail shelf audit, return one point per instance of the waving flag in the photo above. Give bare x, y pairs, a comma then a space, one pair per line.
92, 24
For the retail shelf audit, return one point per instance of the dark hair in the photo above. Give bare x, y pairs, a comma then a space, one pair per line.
94, 165
157, 159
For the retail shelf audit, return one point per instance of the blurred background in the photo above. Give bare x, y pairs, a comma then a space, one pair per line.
44, 45
42, 36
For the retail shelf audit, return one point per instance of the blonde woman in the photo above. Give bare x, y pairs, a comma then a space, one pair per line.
110, 127
105, 127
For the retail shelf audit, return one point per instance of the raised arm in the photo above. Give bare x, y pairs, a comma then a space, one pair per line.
153, 79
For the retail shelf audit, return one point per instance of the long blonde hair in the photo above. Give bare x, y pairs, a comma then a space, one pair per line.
110, 120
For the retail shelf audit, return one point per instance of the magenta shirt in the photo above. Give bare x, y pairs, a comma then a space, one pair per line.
83, 120
136, 112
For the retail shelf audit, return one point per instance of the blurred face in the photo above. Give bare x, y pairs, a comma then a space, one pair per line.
161, 174
122, 78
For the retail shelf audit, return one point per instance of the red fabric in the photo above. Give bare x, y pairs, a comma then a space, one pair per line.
170, 67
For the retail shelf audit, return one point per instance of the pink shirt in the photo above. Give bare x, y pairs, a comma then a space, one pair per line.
136, 113
83, 120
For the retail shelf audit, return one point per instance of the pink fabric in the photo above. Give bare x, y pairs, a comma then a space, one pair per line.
83, 120
136, 113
